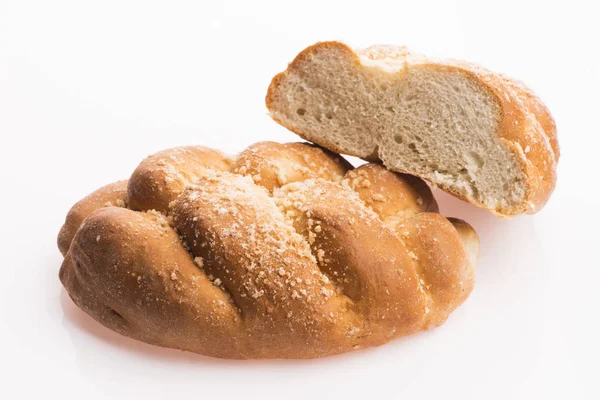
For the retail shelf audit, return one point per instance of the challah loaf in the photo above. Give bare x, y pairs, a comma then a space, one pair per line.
283, 252
478, 135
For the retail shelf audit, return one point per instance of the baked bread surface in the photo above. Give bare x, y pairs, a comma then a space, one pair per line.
479, 135
285, 251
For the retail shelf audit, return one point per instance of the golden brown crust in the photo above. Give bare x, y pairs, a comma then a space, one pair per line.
321, 260
538, 109
114, 194
388, 194
526, 128
273, 165
160, 178
134, 268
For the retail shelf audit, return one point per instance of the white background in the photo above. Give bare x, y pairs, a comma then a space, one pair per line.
87, 89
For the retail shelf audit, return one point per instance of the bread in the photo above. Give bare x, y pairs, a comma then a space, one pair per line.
479, 135
284, 252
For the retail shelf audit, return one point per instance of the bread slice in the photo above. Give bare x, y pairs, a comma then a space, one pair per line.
478, 135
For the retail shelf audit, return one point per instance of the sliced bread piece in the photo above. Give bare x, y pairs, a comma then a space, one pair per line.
479, 135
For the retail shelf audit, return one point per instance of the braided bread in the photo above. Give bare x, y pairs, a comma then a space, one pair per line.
481, 136
286, 251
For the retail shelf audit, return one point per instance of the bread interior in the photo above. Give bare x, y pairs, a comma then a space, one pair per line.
439, 123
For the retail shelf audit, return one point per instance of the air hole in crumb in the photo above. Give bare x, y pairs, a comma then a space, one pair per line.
456, 89
115, 313
301, 111
476, 159
410, 97
374, 156
505, 186
328, 116
419, 138
390, 108
463, 171
398, 139
318, 117
383, 86
412, 147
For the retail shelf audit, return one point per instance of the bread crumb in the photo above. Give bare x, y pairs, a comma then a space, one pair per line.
282, 177
98, 238
378, 197
321, 255
173, 276
353, 332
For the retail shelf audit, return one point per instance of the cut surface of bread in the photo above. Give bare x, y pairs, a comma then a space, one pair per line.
478, 135
285, 251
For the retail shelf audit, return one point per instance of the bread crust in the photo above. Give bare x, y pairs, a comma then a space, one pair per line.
291, 253
526, 127
114, 194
